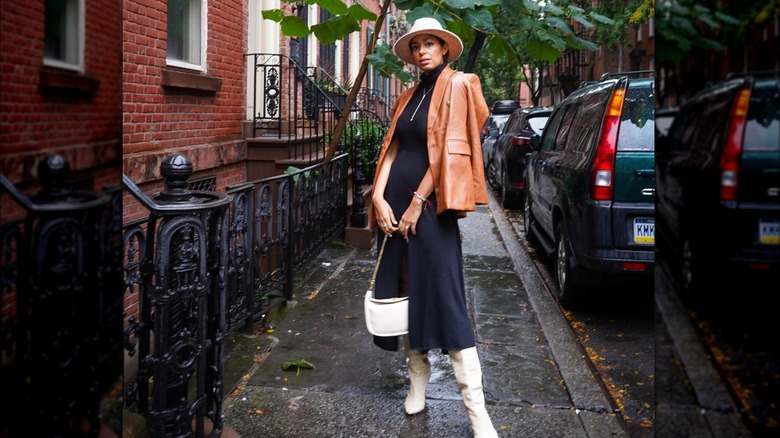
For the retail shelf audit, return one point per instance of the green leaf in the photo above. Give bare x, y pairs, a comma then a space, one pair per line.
726, 18
460, 4
274, 15
600, 18
579, 43
294, 26
579, 18
532, 5
488, 2
358, 12
407, 5
500, 48
552, 9
335, 29
542, 51
559, 24
479, 19
335, 7
300, 363
388, 64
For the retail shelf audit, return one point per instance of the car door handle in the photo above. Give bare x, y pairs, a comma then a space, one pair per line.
644, 172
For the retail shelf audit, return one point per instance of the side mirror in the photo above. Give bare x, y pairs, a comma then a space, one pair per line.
493, 132
536, 141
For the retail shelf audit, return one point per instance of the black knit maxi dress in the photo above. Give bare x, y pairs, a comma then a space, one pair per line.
438, 316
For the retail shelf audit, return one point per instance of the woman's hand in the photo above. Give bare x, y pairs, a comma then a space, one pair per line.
384, 216
410, 218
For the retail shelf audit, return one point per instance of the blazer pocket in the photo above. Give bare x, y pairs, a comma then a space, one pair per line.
459, 147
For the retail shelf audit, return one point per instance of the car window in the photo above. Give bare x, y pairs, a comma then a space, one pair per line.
588, 121
537, 123
762, 131
637, 122
569, 119
552, 128
511, 124
500, 121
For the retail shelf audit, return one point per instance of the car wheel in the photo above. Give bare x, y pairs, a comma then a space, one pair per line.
564, 271
528, 220
509, 199
491, 175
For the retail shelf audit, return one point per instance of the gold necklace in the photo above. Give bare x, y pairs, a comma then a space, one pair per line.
425, 93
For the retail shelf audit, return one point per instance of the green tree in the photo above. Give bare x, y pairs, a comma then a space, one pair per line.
542, 28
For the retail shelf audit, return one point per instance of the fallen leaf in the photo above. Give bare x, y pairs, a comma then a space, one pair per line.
300, 363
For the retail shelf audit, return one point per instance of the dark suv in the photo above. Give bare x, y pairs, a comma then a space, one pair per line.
505, 171
718, 176
589, 195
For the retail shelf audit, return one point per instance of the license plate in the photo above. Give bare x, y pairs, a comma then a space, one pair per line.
769, 232
644, 230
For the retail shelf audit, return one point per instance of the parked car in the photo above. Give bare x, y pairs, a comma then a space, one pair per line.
590, 185
718, 176
499, 113
505, 172
496, 123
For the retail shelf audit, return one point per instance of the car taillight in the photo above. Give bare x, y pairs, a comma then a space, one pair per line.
521, 141
729, 161
604, 166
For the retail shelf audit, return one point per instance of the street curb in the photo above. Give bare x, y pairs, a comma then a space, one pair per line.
585, 389
711, 392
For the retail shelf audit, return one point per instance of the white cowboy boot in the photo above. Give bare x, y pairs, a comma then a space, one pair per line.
419, 374
465, 364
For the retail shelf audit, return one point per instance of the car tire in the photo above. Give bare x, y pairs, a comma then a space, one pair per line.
490, 172
509, 199
528, 221
565, 273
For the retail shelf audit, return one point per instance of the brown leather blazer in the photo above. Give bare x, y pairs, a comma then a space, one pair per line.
455, 117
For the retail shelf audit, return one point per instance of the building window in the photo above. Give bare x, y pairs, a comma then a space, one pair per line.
186, 33
64, 34
651, 28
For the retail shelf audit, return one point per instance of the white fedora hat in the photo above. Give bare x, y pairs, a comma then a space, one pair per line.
430, 26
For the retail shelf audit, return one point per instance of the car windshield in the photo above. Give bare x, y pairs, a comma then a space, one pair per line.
762, 131
637, 123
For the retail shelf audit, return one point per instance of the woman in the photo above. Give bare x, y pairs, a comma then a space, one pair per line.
429, 174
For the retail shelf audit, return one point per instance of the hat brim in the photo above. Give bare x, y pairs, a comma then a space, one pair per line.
453, 42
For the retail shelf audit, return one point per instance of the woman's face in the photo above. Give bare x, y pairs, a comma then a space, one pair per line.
428, 51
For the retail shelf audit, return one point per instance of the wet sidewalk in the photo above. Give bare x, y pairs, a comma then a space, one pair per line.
538, 381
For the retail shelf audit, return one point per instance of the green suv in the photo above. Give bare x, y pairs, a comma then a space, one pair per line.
590, 185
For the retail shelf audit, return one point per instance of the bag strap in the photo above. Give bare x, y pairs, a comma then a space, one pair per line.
376, 268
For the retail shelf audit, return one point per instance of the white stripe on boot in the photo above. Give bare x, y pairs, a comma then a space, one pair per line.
419, 373
465, 364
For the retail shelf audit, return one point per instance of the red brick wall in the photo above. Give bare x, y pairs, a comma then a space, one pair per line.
85, 128
204, 126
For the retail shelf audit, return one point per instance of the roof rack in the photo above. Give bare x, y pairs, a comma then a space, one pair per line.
606, 76
756, 73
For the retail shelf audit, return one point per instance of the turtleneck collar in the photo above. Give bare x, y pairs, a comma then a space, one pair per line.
427, 79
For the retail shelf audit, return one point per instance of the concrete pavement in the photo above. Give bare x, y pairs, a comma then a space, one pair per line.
538, 381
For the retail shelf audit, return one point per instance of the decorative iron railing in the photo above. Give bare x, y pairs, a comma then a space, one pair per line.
207, 263
62, 308
303, 103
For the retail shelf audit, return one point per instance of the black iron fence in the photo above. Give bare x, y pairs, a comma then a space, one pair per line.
61, 306
206, 263
296, 102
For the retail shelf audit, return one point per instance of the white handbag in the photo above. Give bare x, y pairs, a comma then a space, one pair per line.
387, 316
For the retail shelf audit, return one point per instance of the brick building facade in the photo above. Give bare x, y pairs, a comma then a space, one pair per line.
48, 106
193, 108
